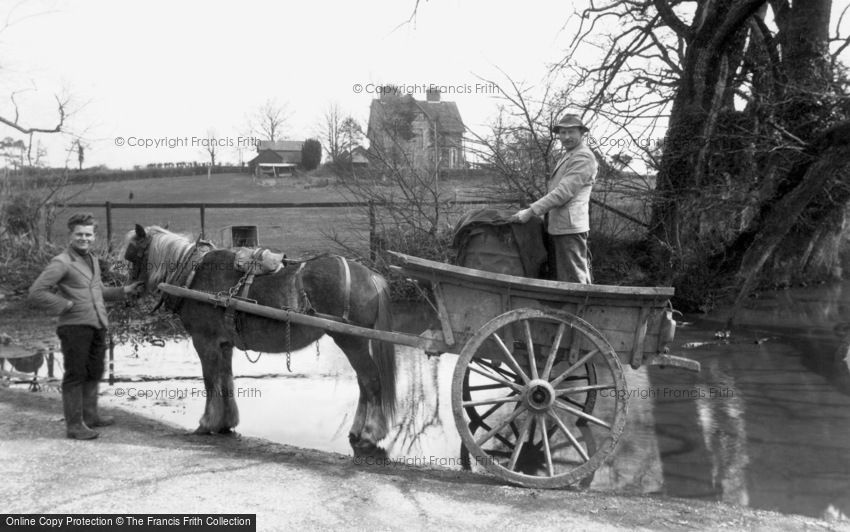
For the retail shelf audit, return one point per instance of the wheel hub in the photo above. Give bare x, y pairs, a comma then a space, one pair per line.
539, 396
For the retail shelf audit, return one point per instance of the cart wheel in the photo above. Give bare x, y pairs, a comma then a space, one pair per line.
523, 411
585, 375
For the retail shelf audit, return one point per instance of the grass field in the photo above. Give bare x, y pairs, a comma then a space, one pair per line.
296, 231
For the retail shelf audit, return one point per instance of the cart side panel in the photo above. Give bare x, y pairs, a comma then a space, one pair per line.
617, 324
468, 309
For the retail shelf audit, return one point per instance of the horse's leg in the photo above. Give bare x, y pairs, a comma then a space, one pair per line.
220, 413
230, 417
370, 422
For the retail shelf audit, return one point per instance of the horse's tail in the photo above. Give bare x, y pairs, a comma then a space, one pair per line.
383, 353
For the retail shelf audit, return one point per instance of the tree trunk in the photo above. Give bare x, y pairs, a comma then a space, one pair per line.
830, 168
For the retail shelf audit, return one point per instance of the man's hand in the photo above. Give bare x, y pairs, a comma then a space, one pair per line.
134, 289
522, 216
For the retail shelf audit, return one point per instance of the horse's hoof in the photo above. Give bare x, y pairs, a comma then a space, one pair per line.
202, 431
227, 431
364, 449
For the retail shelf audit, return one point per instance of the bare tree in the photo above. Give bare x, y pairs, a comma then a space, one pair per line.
410, 210
749, 107
81, 154
211, 146
351, 134
341, 132
269, 120
332, 131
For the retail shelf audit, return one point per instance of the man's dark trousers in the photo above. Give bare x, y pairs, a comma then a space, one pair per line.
83, 351
571, 258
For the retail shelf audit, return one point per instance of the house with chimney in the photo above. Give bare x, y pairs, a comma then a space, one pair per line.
424, 134
276, 158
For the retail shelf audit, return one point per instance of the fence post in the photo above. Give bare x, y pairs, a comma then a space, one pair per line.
203, 220
373, 252
111, 361
108, 227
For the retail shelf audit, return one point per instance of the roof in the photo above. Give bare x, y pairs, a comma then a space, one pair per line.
276, 156
445, 114
280, 145
359, 155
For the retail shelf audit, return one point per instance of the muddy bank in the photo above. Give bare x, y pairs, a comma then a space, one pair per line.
142, 465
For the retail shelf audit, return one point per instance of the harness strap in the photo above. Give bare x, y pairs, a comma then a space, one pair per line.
243, 285
346, 288
195, 256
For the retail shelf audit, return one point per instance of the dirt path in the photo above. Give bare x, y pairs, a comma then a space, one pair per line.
145, 466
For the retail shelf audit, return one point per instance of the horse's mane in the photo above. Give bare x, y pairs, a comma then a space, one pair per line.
165, 252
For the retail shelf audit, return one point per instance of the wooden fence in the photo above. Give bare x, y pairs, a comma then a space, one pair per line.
202, 209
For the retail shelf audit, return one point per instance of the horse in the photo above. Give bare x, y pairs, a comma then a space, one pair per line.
327, 284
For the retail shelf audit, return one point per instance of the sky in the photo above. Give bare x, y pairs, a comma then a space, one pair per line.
158, 70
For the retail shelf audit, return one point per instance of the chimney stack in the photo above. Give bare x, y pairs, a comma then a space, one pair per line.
389, 92
433, 94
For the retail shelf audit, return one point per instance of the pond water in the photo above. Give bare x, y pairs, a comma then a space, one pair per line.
765, 424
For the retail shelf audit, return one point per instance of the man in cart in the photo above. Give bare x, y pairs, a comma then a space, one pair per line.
71, 288
566, 205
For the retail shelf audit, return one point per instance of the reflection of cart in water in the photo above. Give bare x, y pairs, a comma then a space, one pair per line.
539, 395
26, 359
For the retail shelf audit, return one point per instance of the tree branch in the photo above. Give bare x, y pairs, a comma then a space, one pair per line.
30, 130
671, 20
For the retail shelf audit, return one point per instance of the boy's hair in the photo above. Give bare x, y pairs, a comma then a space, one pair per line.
81, 218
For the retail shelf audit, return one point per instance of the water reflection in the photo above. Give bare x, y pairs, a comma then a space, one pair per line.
765, 424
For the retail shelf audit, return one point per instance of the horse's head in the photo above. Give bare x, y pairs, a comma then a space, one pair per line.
154, 254
136, 253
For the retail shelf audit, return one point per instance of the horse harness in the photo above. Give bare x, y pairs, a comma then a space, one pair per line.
180, 277
242, 287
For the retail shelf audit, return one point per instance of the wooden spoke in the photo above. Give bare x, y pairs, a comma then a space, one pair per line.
492, 409
510, 358
482, 387
497, 401
553, 352
570, 437
573, 402
506, 442
583, 389
593, 419
492, 432
520, 442
497, 368
489, 375
532, 364
581, 362
544, 434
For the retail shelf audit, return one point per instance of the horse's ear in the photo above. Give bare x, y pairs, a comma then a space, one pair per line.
140, 232
166, 225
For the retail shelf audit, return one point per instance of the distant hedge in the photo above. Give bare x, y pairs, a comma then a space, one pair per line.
46, 176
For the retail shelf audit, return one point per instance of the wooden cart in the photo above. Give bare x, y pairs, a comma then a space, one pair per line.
539, 394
